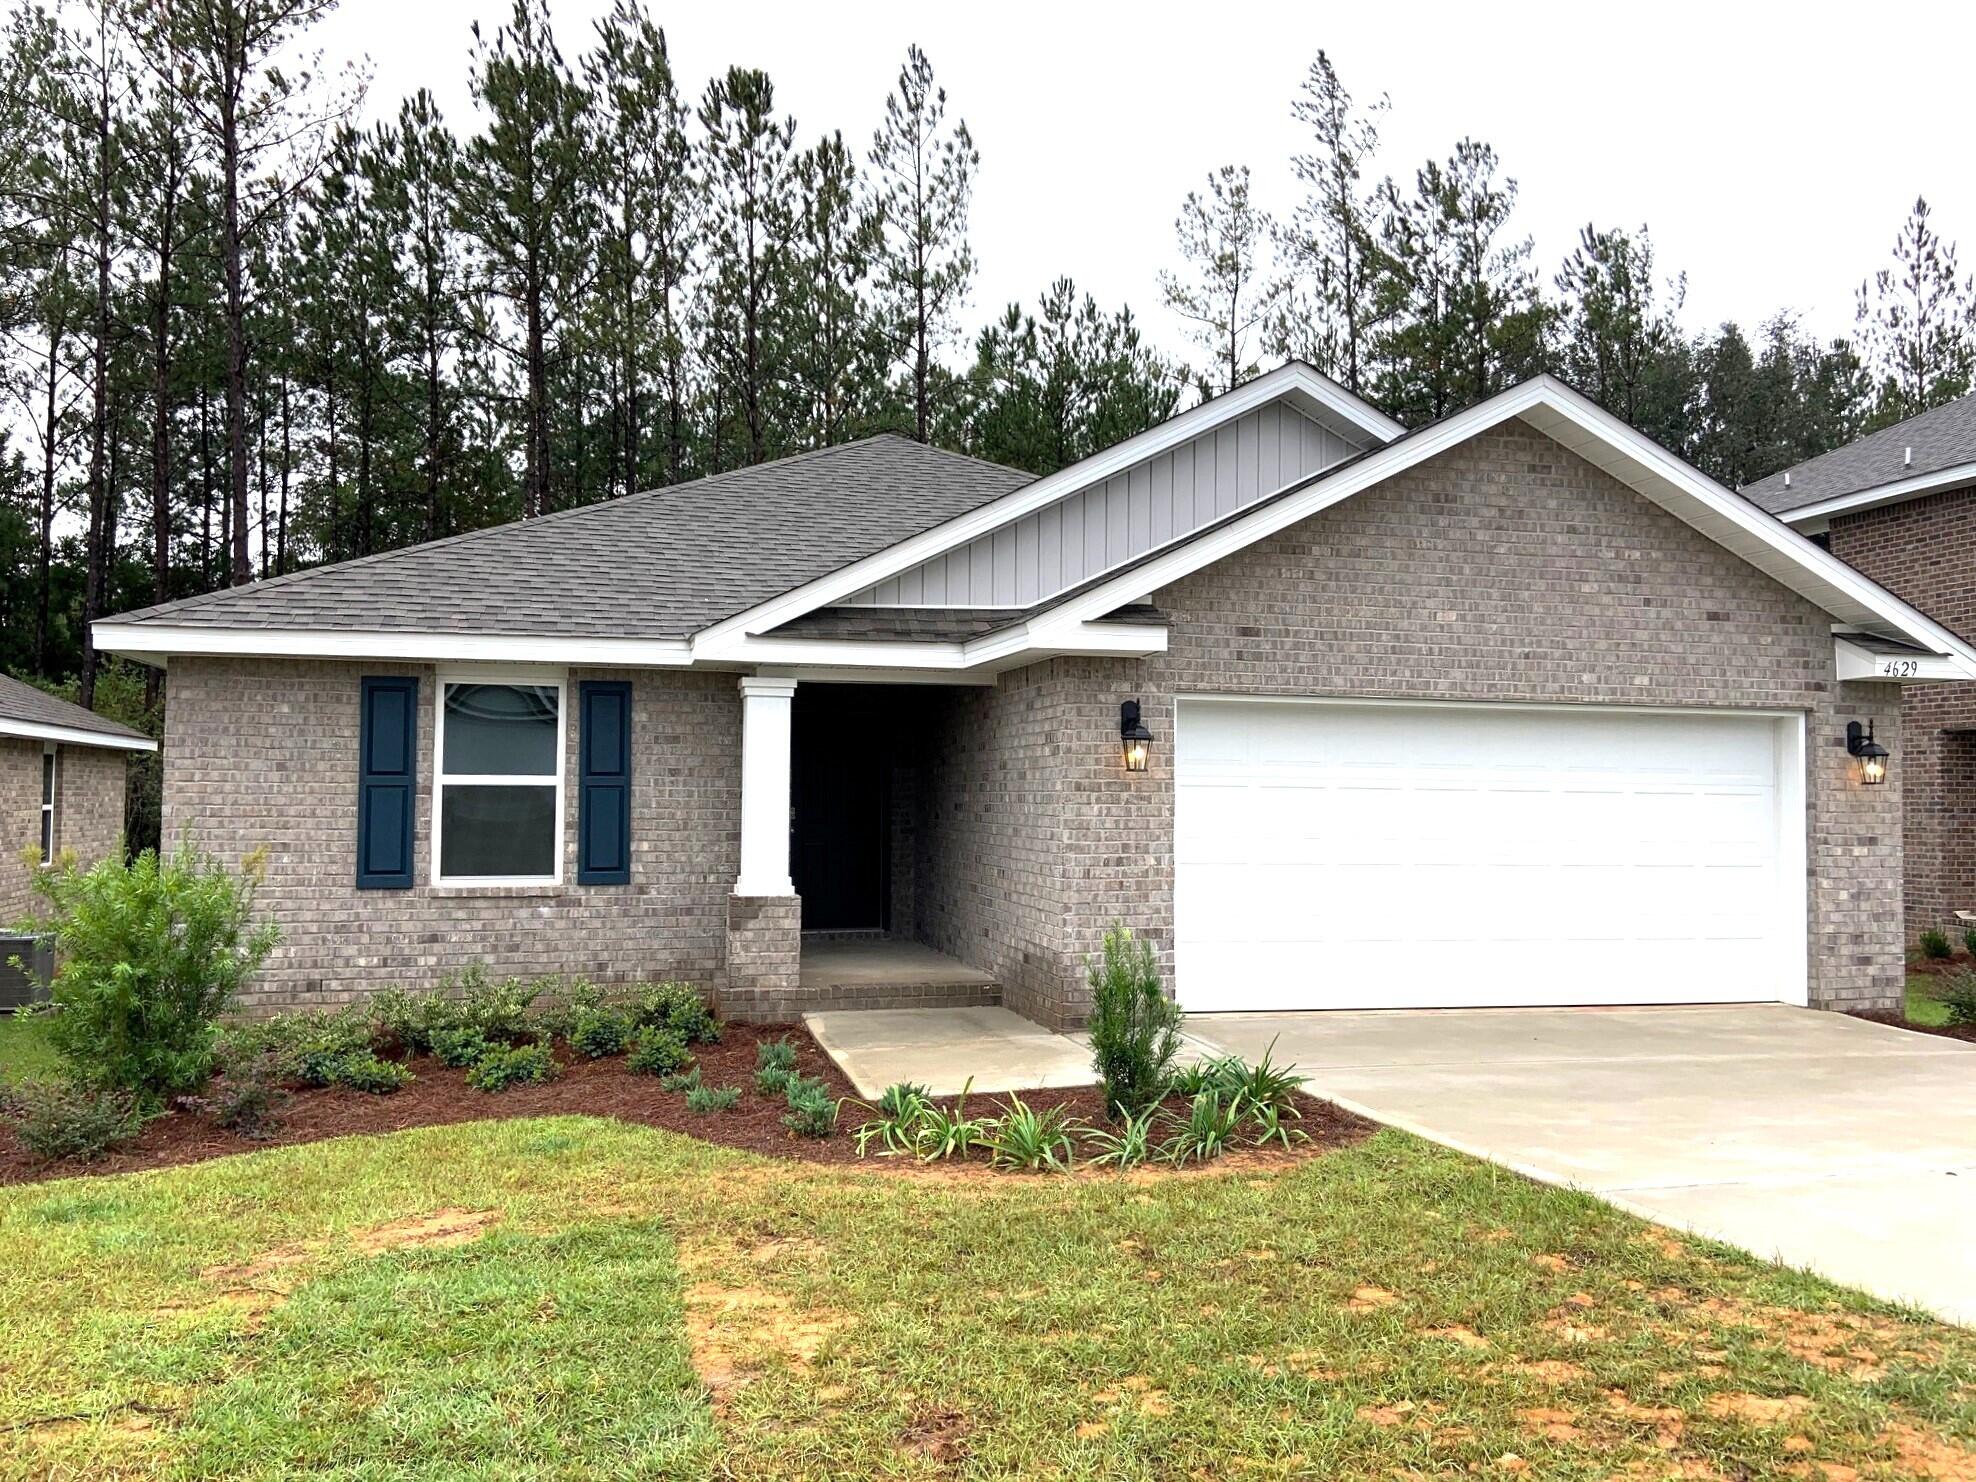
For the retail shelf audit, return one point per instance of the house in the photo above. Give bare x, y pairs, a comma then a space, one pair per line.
1900, 505
1515, 708
61, 786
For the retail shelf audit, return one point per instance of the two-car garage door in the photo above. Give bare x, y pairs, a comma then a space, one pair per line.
1340, 855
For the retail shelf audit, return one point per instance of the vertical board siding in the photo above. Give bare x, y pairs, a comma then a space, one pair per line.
1107, 524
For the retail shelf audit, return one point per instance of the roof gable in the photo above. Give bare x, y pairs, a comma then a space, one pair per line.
37, 715
1931, 450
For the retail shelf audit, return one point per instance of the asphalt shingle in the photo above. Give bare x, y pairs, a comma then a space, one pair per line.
30, 706
1941, 438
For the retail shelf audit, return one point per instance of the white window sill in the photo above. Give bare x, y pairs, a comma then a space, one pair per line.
498, 887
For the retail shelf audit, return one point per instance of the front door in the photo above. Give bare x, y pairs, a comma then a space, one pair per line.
839, 799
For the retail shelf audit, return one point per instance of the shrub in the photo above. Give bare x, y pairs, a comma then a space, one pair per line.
498, 1010
812, 1111
67, 1119
363, 1070
1935, 945
659, 1051
1205, 1075
775, 1067
681, 1080
518, 1065
248, 1100
459, 1046
312, 1046
1263, 1084
1957, 992
1969, 941
151, 952
940, 1133
1205, 1132
894, 1119
1266, 1120
714, 1099
1030, 1141
1129, 1146
600, 1032
675, 1006
559, 1004
414, 1022
1135, 1027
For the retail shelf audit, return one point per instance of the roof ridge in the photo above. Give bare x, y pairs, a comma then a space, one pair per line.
1863, 440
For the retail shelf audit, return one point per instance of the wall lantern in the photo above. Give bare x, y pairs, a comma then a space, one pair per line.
1133, 736
1872, 755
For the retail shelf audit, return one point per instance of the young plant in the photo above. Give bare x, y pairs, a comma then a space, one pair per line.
678, 1007
1969, 942
681, 1080
894, 1120
362, 1070
247, 1101
812, 1110
1211, 1074
599, 1032
705, 1099
1028, 1141
660, 1052
940, 1133
1262, 1084
519, 1065
1957, 992
1135, 1027
64, 1119
1205, 1132
1935, 945
1265, 1120
459, 1046
415, 1022
1129, 1146
775, 1067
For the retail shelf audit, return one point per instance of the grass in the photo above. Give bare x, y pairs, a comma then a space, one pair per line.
24, 1049
1922, 1005
571, 1296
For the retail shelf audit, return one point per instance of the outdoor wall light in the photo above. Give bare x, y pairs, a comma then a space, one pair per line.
1133, 736
1872, 755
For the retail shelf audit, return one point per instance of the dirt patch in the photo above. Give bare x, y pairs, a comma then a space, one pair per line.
938, 1436
1553, 1425
1370, 1299
1549, 1371
1457, 1334
735, 1332
439, 1096
1757, 1409
443, 1227
1923, 1455
1139, 1393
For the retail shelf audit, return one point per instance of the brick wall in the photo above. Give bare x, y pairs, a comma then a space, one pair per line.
89, 812
1924, 550
264, 752
20, 824
1505, 569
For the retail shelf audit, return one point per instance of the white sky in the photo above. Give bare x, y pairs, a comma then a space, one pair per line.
1773, 150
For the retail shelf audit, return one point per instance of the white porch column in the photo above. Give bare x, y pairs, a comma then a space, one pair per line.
765, 729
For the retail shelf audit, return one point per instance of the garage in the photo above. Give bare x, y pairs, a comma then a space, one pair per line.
1334, 854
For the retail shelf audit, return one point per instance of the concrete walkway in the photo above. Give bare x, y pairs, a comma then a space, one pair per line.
1804, 1137
942, 1048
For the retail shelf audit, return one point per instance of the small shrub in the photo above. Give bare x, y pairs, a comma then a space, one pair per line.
413, 1022
364, 1070
775, 1067
312, 1046
459, 1046
1204, 1075
1262, 1084
66, 1119
498, 1010
558, 1006
1957, 992
941, 1133
1129, 1146
675, 1006
1935, 945
517, 1065
659, 1051
151, 951
1969, 941
1205, 1132
1028, 1141
600, 1032
812, 1110
1266, 1121
705, 1099
681, 1080
1135, 1027
247, 1100
894, 1119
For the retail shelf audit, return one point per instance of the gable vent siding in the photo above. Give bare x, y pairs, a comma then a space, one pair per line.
1104, 525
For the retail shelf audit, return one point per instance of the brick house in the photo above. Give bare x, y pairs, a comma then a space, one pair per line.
1900, 506
1515, 708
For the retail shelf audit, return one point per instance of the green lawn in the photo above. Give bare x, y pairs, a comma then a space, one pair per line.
1922, 1005
24, 1049
576, 1297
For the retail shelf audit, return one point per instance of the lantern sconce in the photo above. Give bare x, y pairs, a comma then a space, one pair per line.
1133, 737
1872, 755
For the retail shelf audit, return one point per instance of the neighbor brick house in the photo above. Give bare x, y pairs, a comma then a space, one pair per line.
1900, 505
1514, 708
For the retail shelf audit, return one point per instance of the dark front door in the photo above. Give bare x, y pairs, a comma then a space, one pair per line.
839, 795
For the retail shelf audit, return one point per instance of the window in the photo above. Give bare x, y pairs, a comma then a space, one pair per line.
48, 804
498, 805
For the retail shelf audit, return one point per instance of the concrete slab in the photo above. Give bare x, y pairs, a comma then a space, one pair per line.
883, 963
942, 1048
1806, 1137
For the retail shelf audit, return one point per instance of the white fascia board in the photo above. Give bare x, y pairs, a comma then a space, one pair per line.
152, 639
1814, 515
719, 641
74, 736
1552, 407
1852, 662
1023, 643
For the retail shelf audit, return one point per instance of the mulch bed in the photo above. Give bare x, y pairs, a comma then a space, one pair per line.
599, 1088
1899, 1021
1935, 967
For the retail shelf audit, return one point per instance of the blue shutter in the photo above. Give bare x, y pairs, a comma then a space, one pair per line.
603, 808
387, 782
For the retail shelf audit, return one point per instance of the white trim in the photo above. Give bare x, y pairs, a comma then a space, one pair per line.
149, 640
1023, 642
1908, 488
51, 792
1853, 662
466, 884
74, 736
1288, 380
1793, 855
767, 744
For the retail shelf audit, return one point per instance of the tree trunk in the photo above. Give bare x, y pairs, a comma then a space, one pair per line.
281, 529
45, 555
102, 523
236, 341
535, 498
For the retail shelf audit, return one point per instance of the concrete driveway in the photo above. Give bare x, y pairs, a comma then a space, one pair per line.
1805, 1137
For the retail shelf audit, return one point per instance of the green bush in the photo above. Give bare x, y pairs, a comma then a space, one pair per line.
364, 1070
1028, 1141
312, 1046
558, 1005
658, 1051
1957, 992
713, 1098
248, 1099
1135, 1027
65, 1119
518, 1065
674, 1006
414, 1021
500, 1011
812, 1111
600, 1032
775, 1067
151, 952
1969, 941
895, 1119
1206, 1132
459, 1046
1935, 945
1129, 1146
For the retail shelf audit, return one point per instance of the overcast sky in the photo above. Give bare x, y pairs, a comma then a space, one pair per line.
1773, 150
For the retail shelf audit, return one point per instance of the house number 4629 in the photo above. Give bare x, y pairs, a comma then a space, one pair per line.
1900, 668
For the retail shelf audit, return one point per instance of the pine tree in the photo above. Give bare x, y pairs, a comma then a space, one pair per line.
1223, 237
924, 183
1917, 323
837, 365
1620, 341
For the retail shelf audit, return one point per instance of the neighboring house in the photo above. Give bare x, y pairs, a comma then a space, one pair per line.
1900, 505
1515, 708
61, 786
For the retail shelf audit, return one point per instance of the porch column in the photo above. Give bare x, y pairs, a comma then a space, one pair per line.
765, 731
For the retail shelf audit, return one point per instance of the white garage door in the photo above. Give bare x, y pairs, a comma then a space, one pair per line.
1335, 855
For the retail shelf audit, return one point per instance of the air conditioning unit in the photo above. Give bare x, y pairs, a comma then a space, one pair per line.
21, 986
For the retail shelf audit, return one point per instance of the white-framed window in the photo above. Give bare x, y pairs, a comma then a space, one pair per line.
48, 803
497, 788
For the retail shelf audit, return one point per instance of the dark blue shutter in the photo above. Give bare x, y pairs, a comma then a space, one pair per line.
603, 807
387, 782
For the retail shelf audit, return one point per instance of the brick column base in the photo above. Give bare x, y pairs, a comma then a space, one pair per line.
764, 959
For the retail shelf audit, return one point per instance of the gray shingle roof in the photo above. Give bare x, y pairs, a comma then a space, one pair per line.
1941, 438
659, 565
30, 706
